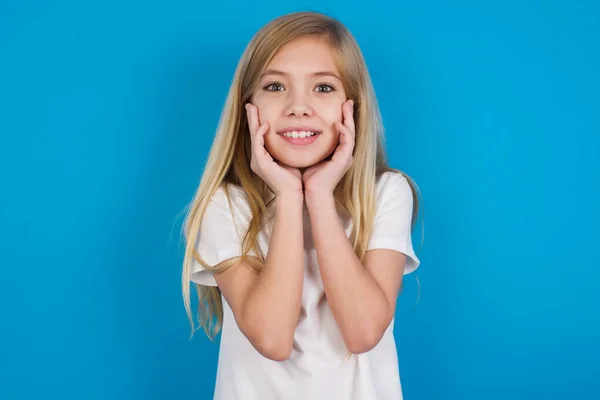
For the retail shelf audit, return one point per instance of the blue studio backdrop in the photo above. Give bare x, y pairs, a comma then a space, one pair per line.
107, 112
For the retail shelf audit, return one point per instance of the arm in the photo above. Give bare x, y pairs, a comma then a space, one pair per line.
362, 298
267, 306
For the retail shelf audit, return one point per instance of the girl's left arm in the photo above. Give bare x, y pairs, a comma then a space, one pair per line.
362, 298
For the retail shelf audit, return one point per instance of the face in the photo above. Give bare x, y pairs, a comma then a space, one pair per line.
301, 95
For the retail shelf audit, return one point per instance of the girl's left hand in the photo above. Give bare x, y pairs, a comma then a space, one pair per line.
323, 177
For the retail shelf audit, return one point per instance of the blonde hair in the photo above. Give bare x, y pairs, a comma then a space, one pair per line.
229, 158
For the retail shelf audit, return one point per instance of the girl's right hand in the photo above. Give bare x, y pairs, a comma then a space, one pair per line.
281, 179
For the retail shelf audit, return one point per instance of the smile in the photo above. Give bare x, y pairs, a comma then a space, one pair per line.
300, 137
299, 134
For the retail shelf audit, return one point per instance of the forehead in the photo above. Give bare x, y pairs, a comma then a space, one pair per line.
304, 56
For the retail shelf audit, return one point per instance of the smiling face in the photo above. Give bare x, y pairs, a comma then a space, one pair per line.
301, 95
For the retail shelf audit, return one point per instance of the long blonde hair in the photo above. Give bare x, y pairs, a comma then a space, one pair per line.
229, 158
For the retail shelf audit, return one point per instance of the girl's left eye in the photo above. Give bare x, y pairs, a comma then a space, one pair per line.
327, 86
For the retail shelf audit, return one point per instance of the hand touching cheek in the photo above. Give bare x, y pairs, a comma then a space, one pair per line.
322, 178
282, 180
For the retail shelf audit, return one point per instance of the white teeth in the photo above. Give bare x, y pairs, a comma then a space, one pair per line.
299, 134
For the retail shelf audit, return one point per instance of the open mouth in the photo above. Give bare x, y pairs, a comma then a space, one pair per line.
300, 137
299, 134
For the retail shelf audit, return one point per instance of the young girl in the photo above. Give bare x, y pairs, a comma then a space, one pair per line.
299, 225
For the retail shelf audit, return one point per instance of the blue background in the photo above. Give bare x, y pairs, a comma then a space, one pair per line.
107, 112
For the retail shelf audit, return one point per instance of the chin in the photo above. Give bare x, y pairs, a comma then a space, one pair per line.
300, 159
297, 162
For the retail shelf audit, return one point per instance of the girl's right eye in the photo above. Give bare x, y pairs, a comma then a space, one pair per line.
270, 87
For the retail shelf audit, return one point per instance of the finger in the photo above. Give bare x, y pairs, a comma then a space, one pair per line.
259, 142
346, 136
261, 132
349, 116
293, 170
312, 169
252, 119
346, 147
258, 138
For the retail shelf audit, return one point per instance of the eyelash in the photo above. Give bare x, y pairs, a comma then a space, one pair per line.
332, 88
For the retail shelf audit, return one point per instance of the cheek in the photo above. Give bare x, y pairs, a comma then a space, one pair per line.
331, 113
267, 107
271, 141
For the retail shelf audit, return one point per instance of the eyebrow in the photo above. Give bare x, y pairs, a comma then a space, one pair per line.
320, 73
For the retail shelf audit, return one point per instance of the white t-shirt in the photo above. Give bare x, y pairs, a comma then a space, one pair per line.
318, 367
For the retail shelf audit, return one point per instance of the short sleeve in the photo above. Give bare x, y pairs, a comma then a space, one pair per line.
392, 225
218, 239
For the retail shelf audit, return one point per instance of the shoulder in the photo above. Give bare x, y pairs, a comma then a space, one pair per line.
226, 199
228, 192
231, 198
393, 185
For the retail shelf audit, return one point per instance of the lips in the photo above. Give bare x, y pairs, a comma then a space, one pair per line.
299, 134
298, 129
300, 137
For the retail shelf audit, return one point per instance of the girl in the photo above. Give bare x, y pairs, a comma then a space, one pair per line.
300, 225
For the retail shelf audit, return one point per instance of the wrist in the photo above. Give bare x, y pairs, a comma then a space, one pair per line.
290, 197
320, 199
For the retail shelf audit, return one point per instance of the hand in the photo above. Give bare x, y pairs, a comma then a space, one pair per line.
281, 179
323, 177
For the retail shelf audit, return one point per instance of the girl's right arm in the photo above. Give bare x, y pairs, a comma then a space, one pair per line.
267, 306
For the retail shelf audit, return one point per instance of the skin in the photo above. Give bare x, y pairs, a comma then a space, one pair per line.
301, 86
361, 295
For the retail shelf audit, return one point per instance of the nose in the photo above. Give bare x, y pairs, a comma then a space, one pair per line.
299, 105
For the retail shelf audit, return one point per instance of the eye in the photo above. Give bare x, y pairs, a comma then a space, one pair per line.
328, 88
273, 87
